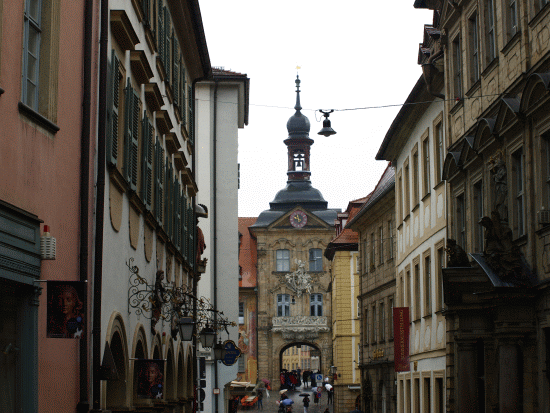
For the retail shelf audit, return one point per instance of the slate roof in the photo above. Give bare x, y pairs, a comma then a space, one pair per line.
385, 185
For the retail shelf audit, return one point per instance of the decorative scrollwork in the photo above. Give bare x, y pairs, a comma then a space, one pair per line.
159, 301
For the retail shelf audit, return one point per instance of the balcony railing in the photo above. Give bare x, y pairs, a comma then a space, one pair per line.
300, 327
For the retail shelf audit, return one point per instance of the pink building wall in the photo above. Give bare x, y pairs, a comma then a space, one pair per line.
40, 173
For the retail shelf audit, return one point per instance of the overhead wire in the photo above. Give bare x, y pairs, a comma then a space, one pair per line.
365, 107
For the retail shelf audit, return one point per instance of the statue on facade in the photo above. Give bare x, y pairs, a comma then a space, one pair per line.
497, 167
157, 300
500, 252
457, 257
299, 280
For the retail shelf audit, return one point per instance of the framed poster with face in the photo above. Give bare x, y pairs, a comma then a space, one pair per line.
149, 379
66, 309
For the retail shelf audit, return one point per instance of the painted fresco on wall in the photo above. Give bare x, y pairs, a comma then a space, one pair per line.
150, 378
65, 309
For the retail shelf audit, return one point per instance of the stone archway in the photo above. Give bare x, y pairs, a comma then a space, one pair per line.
116, 391
299, 356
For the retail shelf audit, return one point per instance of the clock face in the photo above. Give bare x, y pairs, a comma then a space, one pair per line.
298, 219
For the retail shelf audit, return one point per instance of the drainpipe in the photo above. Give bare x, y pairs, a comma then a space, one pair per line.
100, 204
214, 226
84, 404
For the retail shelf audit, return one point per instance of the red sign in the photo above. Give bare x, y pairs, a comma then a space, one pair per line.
401, 338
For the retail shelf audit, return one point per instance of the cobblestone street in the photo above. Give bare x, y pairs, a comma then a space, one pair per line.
270, 405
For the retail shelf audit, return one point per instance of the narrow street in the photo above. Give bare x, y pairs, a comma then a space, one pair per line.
270, 404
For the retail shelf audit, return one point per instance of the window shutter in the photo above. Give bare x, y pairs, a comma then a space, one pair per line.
184, 234
134, 144
166, 41
131, 127
176, 70
113, 103
160, 29
166, 200
147, 162
190, 114
191, 227
146, 6
159, 172
183, 86
178, 216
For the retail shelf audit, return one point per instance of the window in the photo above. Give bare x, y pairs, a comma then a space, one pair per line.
400, 197
358, 308
478, 214
390, 239
242, 364
31, 52
460, 221
315, 260
519, 208
426, 165
439, 267
457, 68
241, 313
283, 260
408, 289
316, 305
382, 322
439, 150
415, 177
366, 331
381, 245
545, 151
40, 68
490, 37
401, 296
474, 48
406, 191
372, 250
512, 18
390, 308
416, 282
373, 329
427, 286
283, 305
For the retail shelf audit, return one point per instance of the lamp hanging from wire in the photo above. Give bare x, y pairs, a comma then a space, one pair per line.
327, 129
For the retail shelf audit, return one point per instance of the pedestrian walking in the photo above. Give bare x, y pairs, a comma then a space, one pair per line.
260, 400
330, 393
306, 403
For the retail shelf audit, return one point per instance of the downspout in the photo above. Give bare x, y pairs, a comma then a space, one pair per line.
100, 203
214, 222
84, 404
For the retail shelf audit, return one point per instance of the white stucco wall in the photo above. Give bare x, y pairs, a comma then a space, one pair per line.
221, 228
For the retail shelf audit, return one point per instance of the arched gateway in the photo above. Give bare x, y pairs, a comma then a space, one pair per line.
292, 273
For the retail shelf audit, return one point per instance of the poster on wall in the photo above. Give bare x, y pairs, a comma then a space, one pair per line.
401, 338
149, 378
66, 309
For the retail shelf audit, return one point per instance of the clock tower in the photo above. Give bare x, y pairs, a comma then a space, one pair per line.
292, 276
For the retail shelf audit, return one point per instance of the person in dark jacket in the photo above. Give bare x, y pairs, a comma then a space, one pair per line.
306, 403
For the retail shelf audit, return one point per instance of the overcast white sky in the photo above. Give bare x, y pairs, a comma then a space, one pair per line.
352, 54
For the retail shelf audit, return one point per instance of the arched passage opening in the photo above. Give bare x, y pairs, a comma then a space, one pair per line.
116, 389
299, 361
